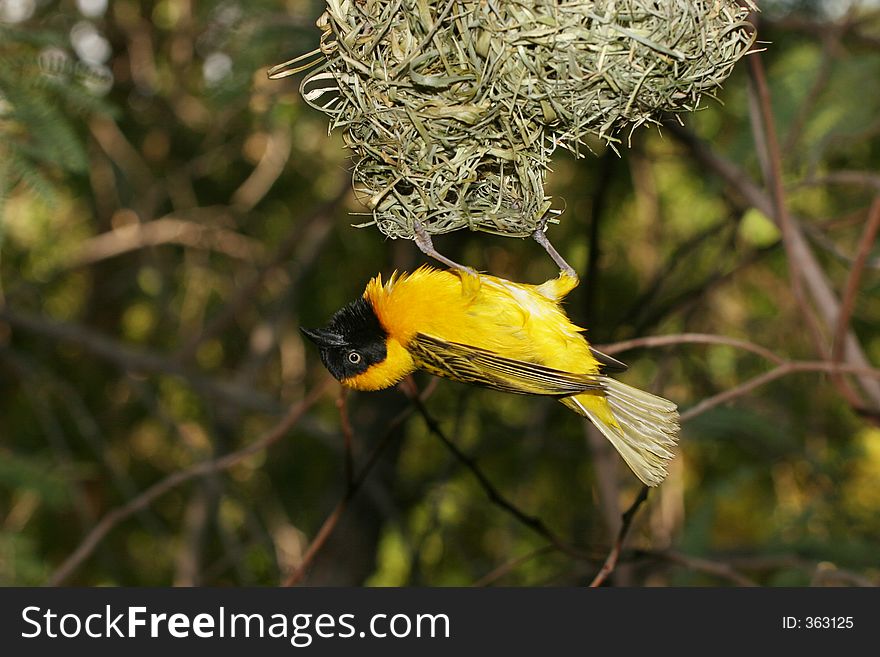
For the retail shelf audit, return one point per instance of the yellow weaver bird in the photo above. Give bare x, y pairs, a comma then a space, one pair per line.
507, 336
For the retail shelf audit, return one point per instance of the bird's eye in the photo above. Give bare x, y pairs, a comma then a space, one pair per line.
354, 358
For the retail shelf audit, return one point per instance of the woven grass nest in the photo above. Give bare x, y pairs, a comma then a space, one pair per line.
453, 108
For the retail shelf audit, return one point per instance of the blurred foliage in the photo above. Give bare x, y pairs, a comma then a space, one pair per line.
169, 217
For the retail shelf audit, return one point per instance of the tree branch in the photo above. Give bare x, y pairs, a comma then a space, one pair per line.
614, 554
353, 484
869, 236
690, 338
790, 367
165, 230
796, 250
814, 277
211, 466
137, 360
712, 567
509, 566
301, 245
532, 522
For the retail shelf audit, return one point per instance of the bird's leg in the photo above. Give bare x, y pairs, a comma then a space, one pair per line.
423, 240
541, 238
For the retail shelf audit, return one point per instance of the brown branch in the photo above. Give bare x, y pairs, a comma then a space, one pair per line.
869, 235
614, 554
827, 574
332, 520
854, 178
120, 150
268, 170
353, 485
536, 524
320, 539
819, 238
790, 367
611, 560
211, 466
301, 245
783, 366
166, 230
690, 338
713, 567
532, 522
814, 277
509, 566
780, 561
347, 435
132, 359
730, 567
768, 146
605, 461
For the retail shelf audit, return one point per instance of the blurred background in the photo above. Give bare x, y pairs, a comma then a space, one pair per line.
169, 217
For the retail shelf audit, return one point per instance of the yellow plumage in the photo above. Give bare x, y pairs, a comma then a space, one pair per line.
514, 337
519, 321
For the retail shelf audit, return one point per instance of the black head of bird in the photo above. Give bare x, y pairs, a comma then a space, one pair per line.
352, 341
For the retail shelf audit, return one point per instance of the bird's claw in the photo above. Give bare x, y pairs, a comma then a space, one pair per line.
541, 238
423, 240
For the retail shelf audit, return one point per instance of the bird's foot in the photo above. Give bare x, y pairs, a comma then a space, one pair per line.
541, 238
423, 240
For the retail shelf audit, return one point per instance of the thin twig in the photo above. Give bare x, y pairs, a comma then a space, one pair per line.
352, 487
301, 246
814, 276
332, 520
536, 524
713, 567
778, 372
266, 172
320, 539
855, 178
136, 360
169, 229
211, 466
690, 338
775, 562
820, 239
532, 522
347, 435
847, 304
509, 566
783, 366
614, 554
766, 140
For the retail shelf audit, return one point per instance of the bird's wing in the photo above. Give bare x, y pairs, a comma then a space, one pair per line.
481, 367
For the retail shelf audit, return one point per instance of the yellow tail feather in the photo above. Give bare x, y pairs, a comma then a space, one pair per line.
642, 427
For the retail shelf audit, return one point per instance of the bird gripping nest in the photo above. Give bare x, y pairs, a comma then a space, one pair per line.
453, 108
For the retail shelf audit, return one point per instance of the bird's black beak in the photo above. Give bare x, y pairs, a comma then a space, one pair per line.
323, 337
